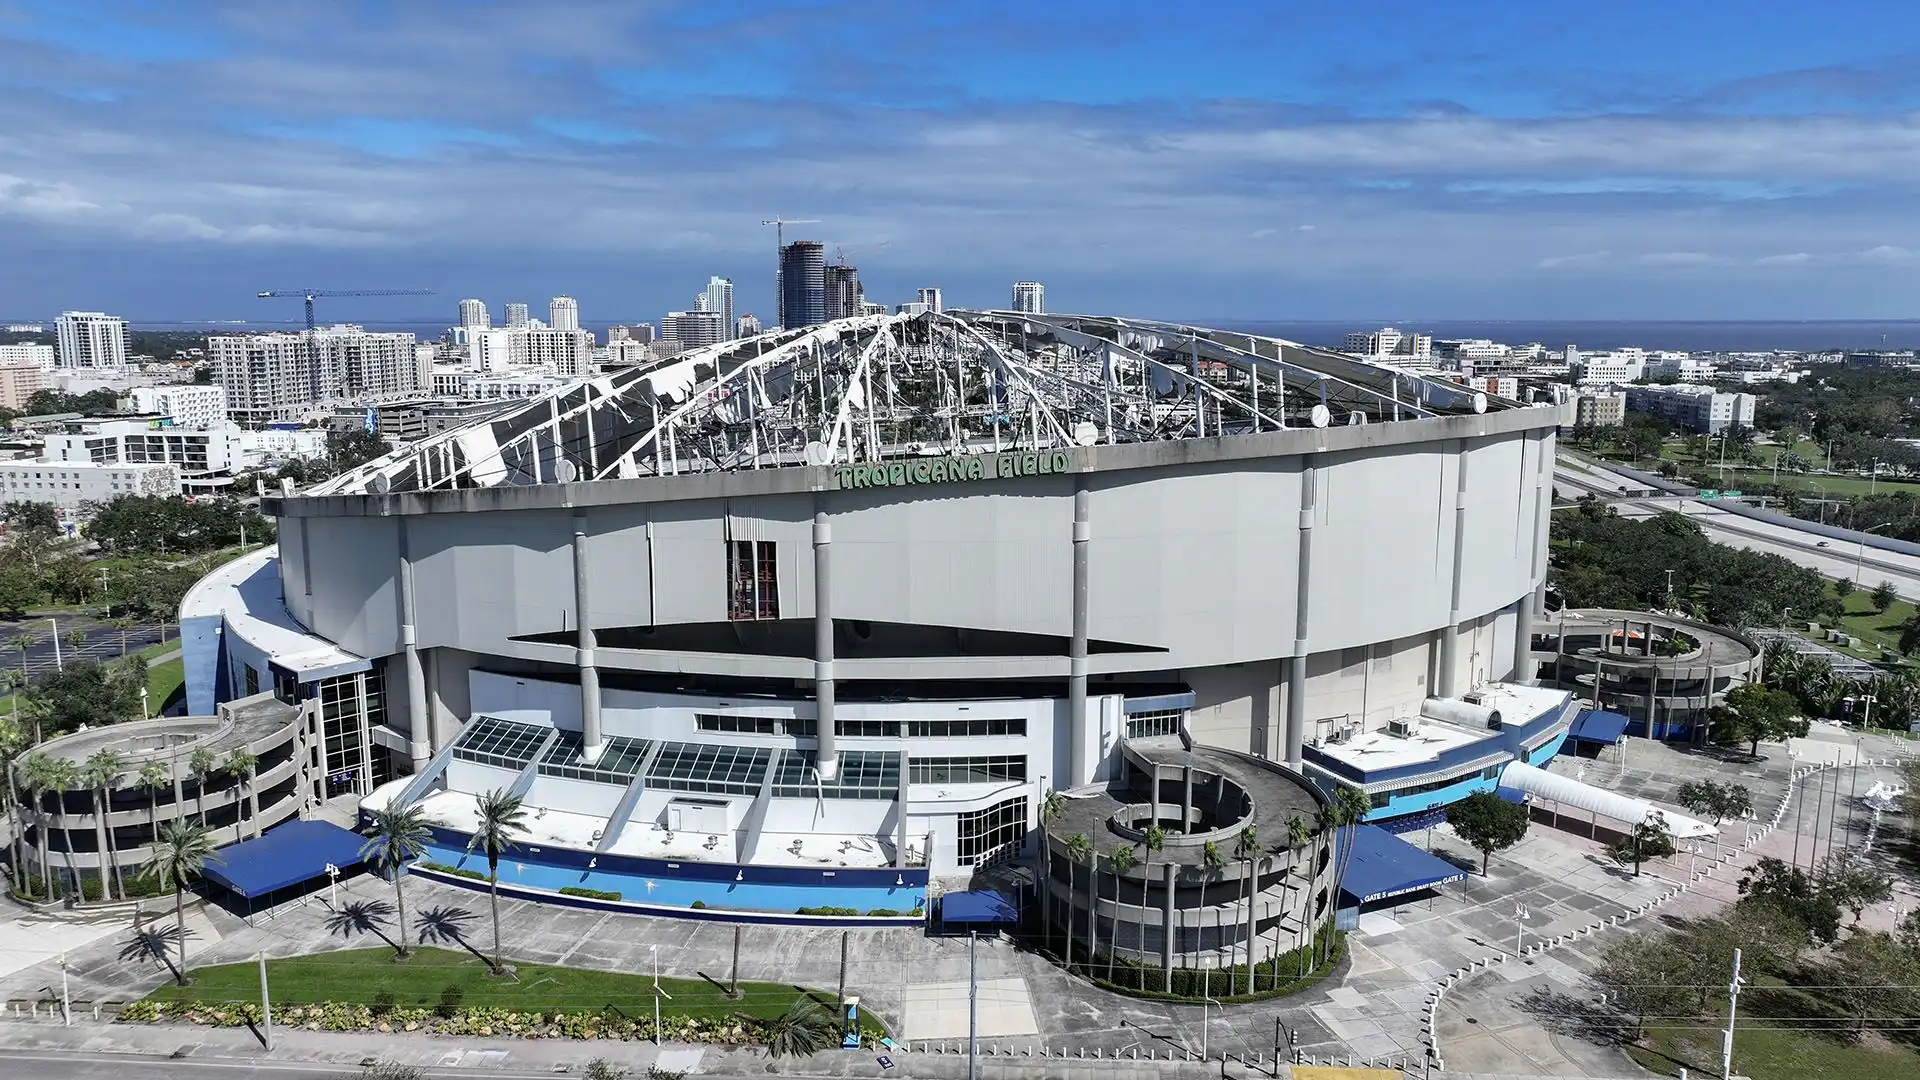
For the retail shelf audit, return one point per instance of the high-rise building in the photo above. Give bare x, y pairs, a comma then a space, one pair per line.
694, 329
1030, 297
567, 352
719, 296
270, 378
473, 314
563, 313
747, 325
844, 293
803, 284
91, 339
516, 315
41, 356
19, 381
930, 299
189, 406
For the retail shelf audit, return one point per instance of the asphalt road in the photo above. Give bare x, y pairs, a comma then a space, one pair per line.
67, 1065
102, 642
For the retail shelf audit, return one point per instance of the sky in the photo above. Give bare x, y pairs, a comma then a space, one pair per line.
1371, 160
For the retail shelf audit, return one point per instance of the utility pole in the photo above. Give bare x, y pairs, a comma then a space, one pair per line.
266, 1004
1733, 1010
973, 1009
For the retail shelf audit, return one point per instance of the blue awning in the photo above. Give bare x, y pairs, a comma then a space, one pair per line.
1384, 865
1599, 726
978, 906
288, 855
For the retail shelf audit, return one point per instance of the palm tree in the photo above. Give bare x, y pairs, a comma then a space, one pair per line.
805, 1028
76, 642
1246, 848
240, 764
201, 766
396, 837
1298, 834
1079, 850
1154, 839
23, 642
183, 852
1211, 863
1122, 860
12, 744
1054, 805
102, 774
502, 817
1345, 814
152, 775
39, 776
66, 776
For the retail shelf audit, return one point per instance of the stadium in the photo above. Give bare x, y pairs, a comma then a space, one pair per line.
807, 618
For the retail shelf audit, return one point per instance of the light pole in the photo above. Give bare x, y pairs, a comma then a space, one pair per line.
1205, 1021
66, 998
1733, 1010
333, 887
1669, 590
1860, 555
58, 664
145, 712
973, 1007
657, 993
1520, 917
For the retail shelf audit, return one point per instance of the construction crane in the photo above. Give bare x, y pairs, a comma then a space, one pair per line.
779, 244
840, 254
313, 345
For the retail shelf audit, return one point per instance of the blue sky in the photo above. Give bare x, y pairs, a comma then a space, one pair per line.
1367, 160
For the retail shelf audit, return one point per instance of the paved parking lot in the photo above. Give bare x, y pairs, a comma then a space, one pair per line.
103, 642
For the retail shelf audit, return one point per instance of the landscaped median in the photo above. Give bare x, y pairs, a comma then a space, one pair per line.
448, 992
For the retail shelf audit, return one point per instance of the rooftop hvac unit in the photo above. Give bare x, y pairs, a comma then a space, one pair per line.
1401, 727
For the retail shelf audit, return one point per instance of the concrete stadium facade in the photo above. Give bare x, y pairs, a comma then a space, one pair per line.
893, 579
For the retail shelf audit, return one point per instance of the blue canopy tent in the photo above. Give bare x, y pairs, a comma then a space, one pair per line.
289, 855
1598, 726
978, 906
1385, 866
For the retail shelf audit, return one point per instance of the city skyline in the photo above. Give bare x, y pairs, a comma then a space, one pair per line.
1635, 164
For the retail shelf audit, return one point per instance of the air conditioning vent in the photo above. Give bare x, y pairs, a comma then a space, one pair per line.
1400, 727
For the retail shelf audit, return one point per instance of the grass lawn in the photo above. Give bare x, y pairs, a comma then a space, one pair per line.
164, 683
1765, 1052
1862, 621
357, 976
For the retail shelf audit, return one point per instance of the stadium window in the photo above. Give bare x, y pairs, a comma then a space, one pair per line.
753, 585
1159, 722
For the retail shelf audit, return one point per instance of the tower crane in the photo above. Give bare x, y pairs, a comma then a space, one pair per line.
313, 346
779, 244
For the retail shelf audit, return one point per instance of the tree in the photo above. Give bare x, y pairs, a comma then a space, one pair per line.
30, 515
1883, 596
102, 773
1646, 974
1154, 839
13, 743
241, 764
1716, 800
1121, 860
1349, 810
1246, 848
502, 818
1754, 712
201, 766
396, 837
1051, 808
1211, 863
1879, 977
352, 449
1844, 587
1489, 823
1649, 840
805, 1028
65, 776
40, 776
1790, 891
152, 775
183, 852
88, 692
1853, 883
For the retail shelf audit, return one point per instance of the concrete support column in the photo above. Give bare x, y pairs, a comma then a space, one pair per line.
1303, 587
1450, 637
900, 845
1186, 799
1083, 763
826, 761
592, 744
1530, 606
417, 716
1168, 920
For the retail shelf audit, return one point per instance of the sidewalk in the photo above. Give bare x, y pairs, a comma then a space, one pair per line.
523, 1057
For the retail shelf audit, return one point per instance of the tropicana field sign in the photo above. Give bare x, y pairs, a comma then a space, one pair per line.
947, 470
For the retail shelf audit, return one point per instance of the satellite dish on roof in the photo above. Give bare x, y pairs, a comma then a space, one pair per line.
1321, 416
565, 471
817, 454
380, 484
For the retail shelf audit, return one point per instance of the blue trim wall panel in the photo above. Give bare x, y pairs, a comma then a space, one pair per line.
200, 638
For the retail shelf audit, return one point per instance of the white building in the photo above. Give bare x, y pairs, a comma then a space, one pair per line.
564, 352
719, 301
40, 356
270, 378
91, 339
473, 314
516, 315
1030, 296
1606, 369
694, 328
500, 349
1388, 345
748, 325
70, 484
203, 457
563, 313
1696, 408
929, 299
188, 406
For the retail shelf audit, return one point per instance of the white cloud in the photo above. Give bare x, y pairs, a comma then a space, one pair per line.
1585, 258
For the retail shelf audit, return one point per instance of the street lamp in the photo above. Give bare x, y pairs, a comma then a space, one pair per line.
1669, 590
1520, 917
58, 664
1860, 556
1204, 1021
333, 886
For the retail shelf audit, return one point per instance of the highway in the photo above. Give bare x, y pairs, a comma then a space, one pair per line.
1837, 559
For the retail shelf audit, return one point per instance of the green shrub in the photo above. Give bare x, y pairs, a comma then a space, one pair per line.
884, 913
456, 871
827, 911
1270, 978
450, 998
382, 1002
698, 905
591, 894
